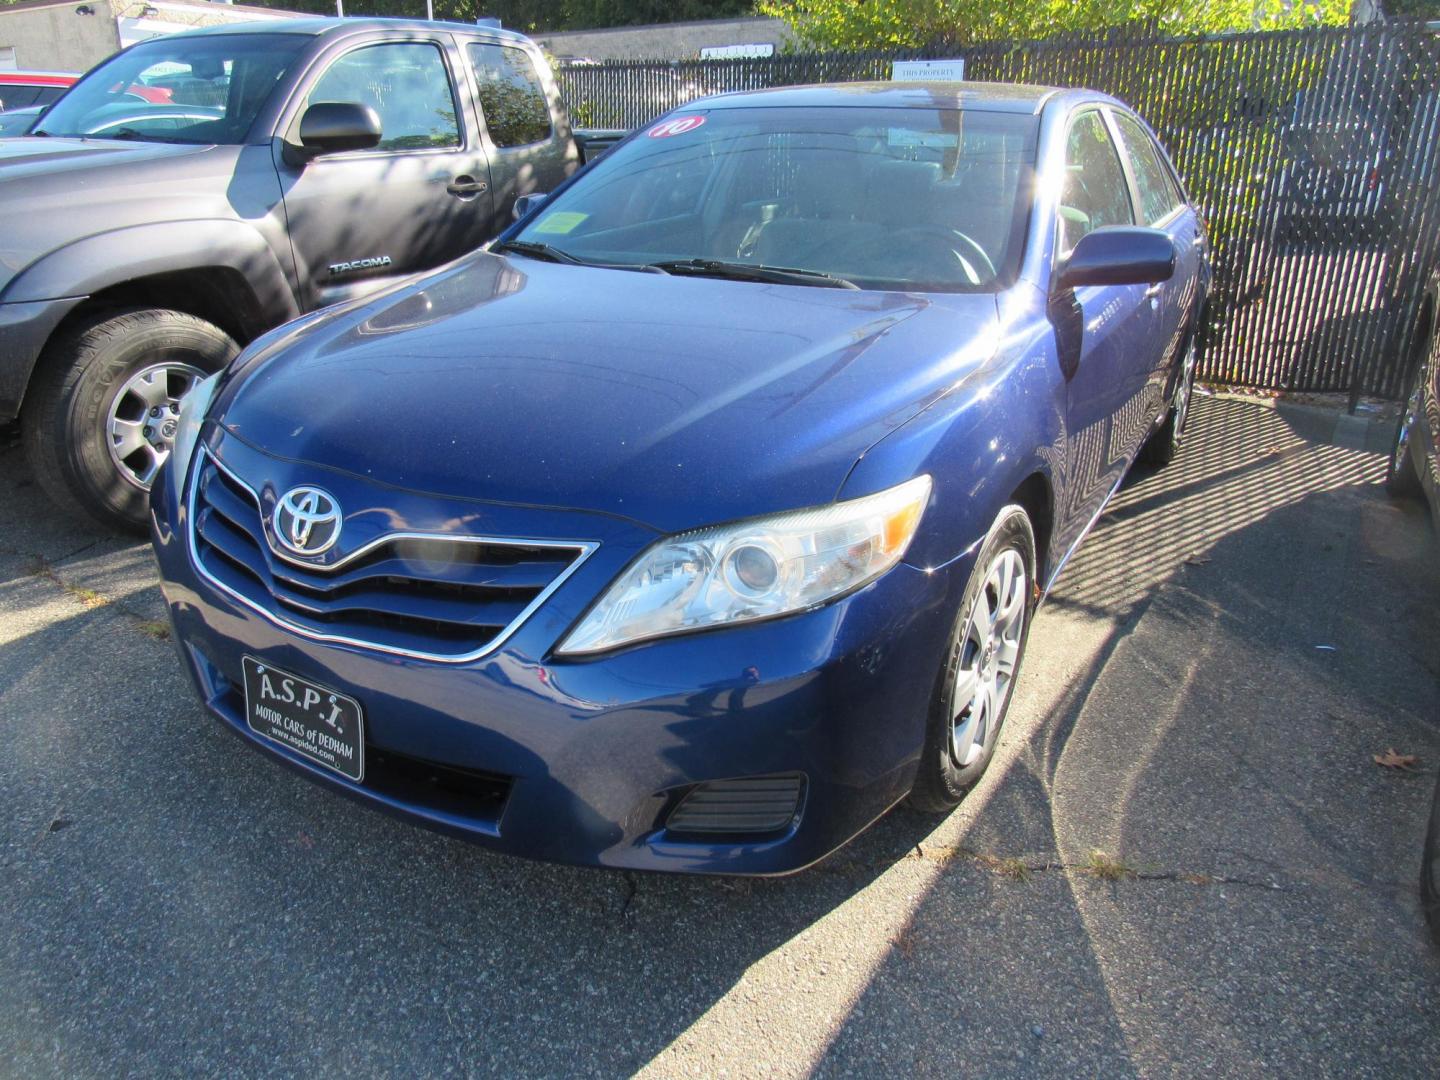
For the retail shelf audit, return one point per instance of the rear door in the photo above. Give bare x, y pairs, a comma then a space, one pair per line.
1104, 332
1162, 206
419, 199
528, 137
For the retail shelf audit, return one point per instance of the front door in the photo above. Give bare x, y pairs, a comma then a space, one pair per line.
417, 200
1103, 332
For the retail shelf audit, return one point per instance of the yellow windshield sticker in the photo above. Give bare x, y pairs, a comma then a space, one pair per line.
563, 222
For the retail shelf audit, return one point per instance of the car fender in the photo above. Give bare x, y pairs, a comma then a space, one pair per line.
1001, 425
103, 260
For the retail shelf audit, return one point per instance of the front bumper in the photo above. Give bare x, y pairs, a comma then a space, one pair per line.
581, 761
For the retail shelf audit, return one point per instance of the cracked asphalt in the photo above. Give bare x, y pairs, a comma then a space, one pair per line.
1184, 860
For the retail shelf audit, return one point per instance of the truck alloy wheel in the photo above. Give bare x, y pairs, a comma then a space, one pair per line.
100, 416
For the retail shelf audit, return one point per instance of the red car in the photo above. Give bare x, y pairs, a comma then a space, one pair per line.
21, 88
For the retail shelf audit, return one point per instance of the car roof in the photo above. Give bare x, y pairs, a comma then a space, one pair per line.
976, 96
330, 27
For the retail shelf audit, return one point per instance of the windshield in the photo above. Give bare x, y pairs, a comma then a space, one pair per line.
908, 199
202, 90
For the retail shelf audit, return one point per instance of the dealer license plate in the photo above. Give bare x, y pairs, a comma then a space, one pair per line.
303, 716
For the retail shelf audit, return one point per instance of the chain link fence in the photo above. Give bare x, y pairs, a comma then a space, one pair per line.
1314, 155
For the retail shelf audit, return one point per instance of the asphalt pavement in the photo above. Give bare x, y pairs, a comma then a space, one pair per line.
1184, 860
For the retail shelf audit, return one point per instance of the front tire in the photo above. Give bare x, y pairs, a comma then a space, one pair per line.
99, 417
987, 644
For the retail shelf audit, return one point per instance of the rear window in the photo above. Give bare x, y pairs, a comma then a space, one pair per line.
511, 96
17, 97
1158, 195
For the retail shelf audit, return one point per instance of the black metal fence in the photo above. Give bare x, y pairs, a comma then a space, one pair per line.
1315, 156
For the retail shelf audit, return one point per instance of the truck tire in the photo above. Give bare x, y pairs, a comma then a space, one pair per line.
99, 416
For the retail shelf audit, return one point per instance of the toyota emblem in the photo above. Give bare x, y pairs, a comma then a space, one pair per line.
307, 520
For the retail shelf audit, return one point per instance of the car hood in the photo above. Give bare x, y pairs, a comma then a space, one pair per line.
25, 156
673, 401
58, 191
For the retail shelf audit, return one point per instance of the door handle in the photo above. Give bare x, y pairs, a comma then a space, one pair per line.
466, 187
1154, 290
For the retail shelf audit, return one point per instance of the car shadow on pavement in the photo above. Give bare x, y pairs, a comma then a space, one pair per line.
1194, 861
170, 899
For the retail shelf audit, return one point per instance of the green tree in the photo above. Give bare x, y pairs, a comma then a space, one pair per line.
530, 16
876, 24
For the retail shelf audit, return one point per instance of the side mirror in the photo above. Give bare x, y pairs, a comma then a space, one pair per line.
331, 127
1118, 255
524, 204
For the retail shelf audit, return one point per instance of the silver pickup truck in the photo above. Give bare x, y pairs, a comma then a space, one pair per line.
194, 191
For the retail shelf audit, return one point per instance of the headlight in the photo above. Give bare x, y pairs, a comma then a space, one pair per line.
754, 570
193, 407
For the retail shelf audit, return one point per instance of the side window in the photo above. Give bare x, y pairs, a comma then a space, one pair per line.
18, 97
1095, 192
406, 83
45, 95
511, 96
1157, 192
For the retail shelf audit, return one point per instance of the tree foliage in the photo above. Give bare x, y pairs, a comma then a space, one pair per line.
878, 24
530, 16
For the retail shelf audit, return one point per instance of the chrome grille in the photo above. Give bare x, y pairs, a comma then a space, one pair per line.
434, 597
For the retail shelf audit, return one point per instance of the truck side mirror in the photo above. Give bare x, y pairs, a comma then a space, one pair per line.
332, 127
524, 204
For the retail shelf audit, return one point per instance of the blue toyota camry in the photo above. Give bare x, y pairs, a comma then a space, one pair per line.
702, 518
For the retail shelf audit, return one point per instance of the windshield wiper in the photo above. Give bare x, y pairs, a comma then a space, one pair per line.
738, 271
130, 134
539, 251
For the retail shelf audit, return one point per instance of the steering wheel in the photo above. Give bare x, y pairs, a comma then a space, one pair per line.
950, 245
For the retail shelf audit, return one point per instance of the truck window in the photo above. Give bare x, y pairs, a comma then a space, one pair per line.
406, 83
511, 96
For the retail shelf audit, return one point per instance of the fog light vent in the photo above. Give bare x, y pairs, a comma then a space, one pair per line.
753, 804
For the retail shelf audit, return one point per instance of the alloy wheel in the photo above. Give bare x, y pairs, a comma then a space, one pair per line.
1182, 392
1402, 433
989, 653
144, 417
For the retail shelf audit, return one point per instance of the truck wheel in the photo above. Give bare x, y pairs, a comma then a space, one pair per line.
99, 417
987, 644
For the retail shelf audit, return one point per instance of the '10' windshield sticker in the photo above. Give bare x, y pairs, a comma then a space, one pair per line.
677, 126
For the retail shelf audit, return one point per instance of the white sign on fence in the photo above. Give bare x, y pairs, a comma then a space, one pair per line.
928, 71
737, 52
